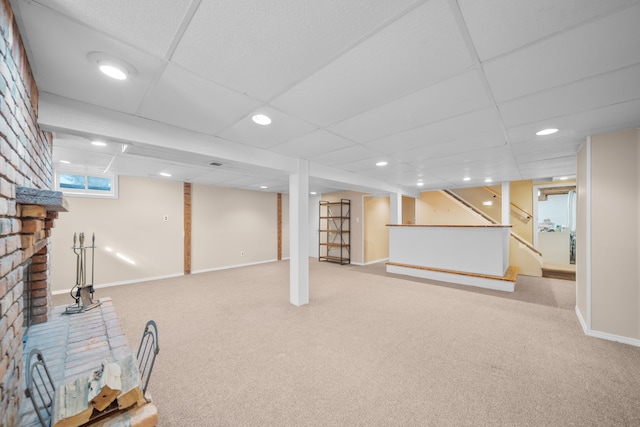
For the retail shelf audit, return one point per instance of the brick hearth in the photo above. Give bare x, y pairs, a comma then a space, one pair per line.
75, 344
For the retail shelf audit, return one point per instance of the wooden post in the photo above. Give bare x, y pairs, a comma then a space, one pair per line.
187, 227
279, 226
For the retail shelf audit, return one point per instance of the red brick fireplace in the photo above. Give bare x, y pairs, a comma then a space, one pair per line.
25, 166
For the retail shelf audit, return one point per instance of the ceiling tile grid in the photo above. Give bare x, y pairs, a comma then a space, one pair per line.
440, 89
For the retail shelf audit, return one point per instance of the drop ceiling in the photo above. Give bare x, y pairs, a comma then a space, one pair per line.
439, 89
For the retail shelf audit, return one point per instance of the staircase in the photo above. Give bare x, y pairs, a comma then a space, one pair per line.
522, 253
563, 272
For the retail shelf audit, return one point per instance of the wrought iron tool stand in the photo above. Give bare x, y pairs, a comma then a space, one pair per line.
82, 292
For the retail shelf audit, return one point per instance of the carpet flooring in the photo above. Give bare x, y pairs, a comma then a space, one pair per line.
374, 349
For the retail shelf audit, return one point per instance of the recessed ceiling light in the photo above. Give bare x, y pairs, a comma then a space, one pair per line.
313, 193
382, 163
261, 119
165, 174
544, 132
420, 183
487, 203
111, 66
466, 178
98, 143
264, 187
113, 71
488, 180
66, 162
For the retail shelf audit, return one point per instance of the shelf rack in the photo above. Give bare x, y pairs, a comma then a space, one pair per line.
334, 228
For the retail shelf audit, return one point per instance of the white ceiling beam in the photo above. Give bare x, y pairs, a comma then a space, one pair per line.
56, 113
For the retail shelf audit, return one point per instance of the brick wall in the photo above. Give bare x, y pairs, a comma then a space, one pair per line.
25, 160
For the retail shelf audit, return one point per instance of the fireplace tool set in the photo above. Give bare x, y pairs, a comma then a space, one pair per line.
82, 292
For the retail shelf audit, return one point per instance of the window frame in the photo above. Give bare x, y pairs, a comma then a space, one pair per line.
86, 192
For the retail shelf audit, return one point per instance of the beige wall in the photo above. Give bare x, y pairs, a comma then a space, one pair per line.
132, 225
615, 284
581, 231
377, 213
435, 208
227, 222
408, 210
522, 196
357, 251
286, 244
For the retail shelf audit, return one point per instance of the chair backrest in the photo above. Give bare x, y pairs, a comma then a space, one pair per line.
147, 352
40, 387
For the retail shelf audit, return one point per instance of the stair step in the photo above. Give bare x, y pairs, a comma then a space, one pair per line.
564, 272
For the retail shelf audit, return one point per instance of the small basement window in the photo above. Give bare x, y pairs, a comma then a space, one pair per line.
87, 185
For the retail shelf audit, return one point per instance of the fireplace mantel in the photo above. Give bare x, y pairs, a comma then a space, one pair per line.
52, 201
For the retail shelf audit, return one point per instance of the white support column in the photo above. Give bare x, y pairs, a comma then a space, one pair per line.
506, 203
299, 234
395, 216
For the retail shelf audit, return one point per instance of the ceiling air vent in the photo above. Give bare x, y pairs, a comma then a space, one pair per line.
215, 164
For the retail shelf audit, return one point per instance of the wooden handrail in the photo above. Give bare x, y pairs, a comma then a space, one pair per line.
491, 220
528, 214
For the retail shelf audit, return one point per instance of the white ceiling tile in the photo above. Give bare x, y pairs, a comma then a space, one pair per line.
562, 166
456, 128
283, 127
346, 155
81, 160
263, 47
452, 97
149, 28
61, 66
598, 120
598, 47
600, 91
482, 159
188, 101
499, 26
312, 144
417, 50
464, 144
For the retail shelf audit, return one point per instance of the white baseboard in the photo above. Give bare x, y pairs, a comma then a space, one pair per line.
168, 276
460, 279
124, 282
603, 335
377, 261
227, 267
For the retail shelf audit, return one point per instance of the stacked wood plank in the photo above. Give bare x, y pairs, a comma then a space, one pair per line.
112, 388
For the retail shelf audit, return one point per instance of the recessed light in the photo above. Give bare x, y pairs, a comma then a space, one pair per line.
487, 203
165, 174
466, 178
111, 66
313, 193
261, 119
544, 132
66, 162
113, 71
488, 180
98, 143
264, 187
420, 183
382, 163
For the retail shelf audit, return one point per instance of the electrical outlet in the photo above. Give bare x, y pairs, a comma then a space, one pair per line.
241, 253
165, 218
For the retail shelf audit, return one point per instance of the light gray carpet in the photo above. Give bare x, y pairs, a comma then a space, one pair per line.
373, 349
